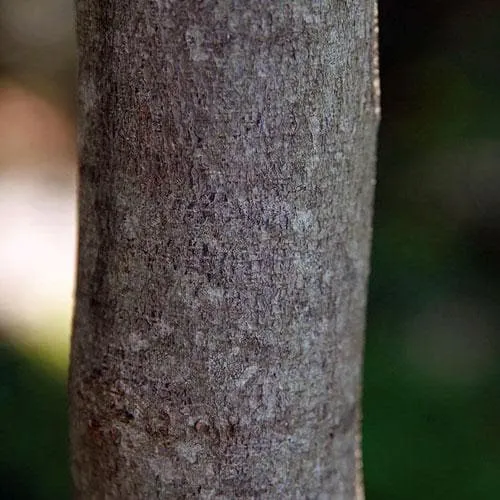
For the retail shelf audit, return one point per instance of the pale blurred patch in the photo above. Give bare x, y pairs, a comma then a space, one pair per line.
35, 137
451, 342
37, 223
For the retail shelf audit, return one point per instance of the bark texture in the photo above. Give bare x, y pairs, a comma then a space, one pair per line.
226, 180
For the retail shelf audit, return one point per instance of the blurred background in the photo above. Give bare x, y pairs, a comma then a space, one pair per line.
432, 371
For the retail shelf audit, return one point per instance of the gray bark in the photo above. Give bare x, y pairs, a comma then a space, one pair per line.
226, 182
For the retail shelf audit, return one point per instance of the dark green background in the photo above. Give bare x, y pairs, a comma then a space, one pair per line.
432, 372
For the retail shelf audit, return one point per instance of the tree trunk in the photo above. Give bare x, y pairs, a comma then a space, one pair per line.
226, 181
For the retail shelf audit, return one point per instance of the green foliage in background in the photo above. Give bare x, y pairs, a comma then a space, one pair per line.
33, 430
432, 370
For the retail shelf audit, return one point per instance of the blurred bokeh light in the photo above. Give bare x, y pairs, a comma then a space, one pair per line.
432, 372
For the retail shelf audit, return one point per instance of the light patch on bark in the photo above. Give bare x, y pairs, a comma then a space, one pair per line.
194, 40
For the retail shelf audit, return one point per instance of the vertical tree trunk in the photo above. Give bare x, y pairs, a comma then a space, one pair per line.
226, 181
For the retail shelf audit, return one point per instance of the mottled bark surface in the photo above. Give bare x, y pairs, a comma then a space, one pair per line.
226, 182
